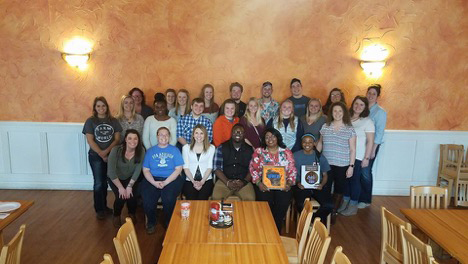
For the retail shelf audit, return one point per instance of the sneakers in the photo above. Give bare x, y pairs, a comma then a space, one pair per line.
150, 229
362, 205
116, 221
343, 206
350, 210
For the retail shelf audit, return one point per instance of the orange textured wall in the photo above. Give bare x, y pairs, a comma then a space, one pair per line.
172, 43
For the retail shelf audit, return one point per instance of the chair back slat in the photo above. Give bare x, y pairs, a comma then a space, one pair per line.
301, 224
339, 257
414, 250
11, 253
107, 259
126, 244
391, 237
429, 197
317, 244
462, 199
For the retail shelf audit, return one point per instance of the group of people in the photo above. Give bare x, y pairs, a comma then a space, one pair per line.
202, 150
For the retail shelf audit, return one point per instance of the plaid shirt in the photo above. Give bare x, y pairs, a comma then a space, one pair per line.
186, 124
218, 159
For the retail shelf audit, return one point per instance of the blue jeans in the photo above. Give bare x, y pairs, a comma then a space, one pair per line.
366, 181
353, 190
151, 195
99, 168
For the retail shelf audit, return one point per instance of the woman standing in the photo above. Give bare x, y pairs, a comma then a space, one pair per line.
253, 123
162, 165
182, 106
102, 134
156, 121
211, 108
273, 152
140, 103
125, 163
198, 164
338, 140
170, 98
379, 116
127, 116
223, 125
364, 128
314, 118
335, 95
288, 125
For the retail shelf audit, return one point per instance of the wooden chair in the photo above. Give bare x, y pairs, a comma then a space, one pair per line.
291, 214
433, 261
391, 251
339, 257
451, 167
126, 244
414, 250
11, 253
107, 259
462, 190
317, 244
429, 197
294, 246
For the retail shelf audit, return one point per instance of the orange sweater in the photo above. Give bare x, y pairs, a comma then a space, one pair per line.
222, 129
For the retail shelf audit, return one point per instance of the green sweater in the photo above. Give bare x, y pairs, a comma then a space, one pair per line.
117, 168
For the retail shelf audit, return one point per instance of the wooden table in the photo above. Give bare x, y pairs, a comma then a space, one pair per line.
252, 239
447, 227
13, 215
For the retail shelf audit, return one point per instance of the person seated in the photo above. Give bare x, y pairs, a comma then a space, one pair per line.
309, 156
231, 165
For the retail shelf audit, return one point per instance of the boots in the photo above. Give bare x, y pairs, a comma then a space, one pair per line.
343, 206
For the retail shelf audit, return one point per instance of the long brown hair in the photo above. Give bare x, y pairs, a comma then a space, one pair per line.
187, 105
104, 101
346, 117
138, 149
206, 142
202, 95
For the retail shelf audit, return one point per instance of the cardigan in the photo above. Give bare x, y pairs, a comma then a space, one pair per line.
191, 161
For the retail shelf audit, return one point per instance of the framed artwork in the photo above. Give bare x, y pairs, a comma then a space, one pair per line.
274, 177
310, 175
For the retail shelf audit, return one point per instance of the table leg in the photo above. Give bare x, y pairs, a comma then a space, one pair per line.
1, 240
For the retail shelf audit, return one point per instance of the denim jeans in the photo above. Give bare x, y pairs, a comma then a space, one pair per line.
323, 197
366, 181
119, 203
99, 168
353, 189
151, 195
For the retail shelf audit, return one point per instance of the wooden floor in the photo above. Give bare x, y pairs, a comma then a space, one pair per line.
62, 228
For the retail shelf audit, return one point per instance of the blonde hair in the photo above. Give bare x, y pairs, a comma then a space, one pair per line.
121, 114
206, 142
320, 114
187, 104
258, 115
292, 118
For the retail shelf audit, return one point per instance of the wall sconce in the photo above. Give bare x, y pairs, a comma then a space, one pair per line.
77, 53
373, 60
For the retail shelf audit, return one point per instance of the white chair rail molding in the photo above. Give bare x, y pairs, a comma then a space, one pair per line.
43, 155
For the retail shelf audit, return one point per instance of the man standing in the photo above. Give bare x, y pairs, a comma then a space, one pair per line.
300, 101
231, 166
186, 123
236, 90
269, 106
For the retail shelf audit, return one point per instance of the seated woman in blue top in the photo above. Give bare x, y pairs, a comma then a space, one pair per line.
162, 165
288, 125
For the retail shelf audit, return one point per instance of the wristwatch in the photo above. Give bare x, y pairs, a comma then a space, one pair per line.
351, 165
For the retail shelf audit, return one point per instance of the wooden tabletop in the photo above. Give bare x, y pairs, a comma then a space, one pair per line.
446, 227
253, 223
15, 214
223, 253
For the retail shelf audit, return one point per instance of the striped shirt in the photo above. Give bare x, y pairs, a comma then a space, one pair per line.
336, 144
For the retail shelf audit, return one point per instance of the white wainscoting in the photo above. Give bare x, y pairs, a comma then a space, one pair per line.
54, 156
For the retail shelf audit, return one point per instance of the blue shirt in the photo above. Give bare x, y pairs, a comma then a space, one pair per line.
379, 116
162, 161
186, 124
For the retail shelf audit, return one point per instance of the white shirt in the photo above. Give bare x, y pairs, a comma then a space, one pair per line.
151, 127
362, 126
191, 161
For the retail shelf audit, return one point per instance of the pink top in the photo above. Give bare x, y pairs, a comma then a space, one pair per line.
262, 157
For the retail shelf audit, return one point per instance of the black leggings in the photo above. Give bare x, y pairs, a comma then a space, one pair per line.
193, 194
337, 175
